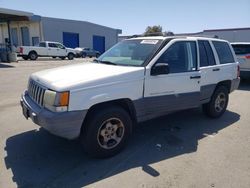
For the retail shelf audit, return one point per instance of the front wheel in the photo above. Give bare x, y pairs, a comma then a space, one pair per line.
218, 103
70, 56
106, 132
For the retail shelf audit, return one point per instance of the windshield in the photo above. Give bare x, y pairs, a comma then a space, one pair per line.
130, 52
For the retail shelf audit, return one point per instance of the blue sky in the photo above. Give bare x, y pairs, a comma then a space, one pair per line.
133, 16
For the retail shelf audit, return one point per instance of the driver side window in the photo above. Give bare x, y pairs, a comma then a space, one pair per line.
180, 56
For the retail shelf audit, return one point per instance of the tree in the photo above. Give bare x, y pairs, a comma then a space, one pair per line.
155, 30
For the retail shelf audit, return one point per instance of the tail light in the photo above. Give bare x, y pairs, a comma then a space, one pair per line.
247, 56
21, 50
238, 71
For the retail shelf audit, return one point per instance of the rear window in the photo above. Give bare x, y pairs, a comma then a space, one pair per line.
42, 44
224, 52
206, 54
241, 49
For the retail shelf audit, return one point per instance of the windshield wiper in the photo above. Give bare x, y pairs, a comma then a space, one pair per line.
104, 62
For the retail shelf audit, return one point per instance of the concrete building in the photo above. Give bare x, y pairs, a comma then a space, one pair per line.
25, 28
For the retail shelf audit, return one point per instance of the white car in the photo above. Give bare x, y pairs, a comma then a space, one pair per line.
242, 51
136, 80
46, 49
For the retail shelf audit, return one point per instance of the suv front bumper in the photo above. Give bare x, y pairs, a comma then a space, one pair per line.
64, 124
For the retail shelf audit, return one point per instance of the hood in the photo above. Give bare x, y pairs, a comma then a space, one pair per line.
85, 75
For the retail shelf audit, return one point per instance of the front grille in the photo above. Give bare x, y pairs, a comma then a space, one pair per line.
36, 92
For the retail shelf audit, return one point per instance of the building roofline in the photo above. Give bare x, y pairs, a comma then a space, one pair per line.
63, 19
15, 12
229, 29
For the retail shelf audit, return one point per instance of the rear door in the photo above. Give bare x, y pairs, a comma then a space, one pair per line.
208, 68
43, 49
180, 89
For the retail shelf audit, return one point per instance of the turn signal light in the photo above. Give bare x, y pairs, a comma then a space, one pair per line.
64, 99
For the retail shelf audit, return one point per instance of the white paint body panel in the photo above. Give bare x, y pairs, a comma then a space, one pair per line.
92, 83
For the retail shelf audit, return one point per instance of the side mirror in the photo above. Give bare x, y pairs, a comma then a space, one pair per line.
159, 69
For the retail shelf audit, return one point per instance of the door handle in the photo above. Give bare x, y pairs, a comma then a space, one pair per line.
195, 77
216, 69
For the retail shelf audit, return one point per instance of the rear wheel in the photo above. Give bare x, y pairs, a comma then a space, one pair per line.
33, 56
106, 132
218, 103
53, 57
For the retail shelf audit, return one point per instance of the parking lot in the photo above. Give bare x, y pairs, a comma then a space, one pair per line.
184, 149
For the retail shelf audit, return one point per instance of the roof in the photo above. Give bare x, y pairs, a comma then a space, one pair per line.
14, 15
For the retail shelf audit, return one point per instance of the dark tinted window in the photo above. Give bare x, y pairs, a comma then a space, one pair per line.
224, 53
42, 44
241, 49
52, 45
203, 55
206, 54
181, 57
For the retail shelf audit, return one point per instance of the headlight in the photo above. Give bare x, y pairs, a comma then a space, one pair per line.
56, 101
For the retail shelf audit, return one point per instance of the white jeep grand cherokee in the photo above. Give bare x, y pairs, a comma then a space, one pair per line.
136, 80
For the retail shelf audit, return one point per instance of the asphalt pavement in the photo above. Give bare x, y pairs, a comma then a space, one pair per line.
184, 149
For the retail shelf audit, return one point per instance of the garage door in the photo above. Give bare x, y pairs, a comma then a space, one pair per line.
99, 43
25, 36
71, 40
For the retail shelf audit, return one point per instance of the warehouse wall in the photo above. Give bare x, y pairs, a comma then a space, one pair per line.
231, 35
33, 27
53, 29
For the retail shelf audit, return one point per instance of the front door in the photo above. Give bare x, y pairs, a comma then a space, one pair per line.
52, 49
180, 88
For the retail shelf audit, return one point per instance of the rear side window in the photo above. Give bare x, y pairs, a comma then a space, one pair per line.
206, 54
224, 52
42, 44
241, 49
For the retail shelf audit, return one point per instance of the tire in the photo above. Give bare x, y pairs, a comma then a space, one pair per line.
101, 125
97, 55
218, 103
53, 57
25, 57
62, 58
33, 56
71, 56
